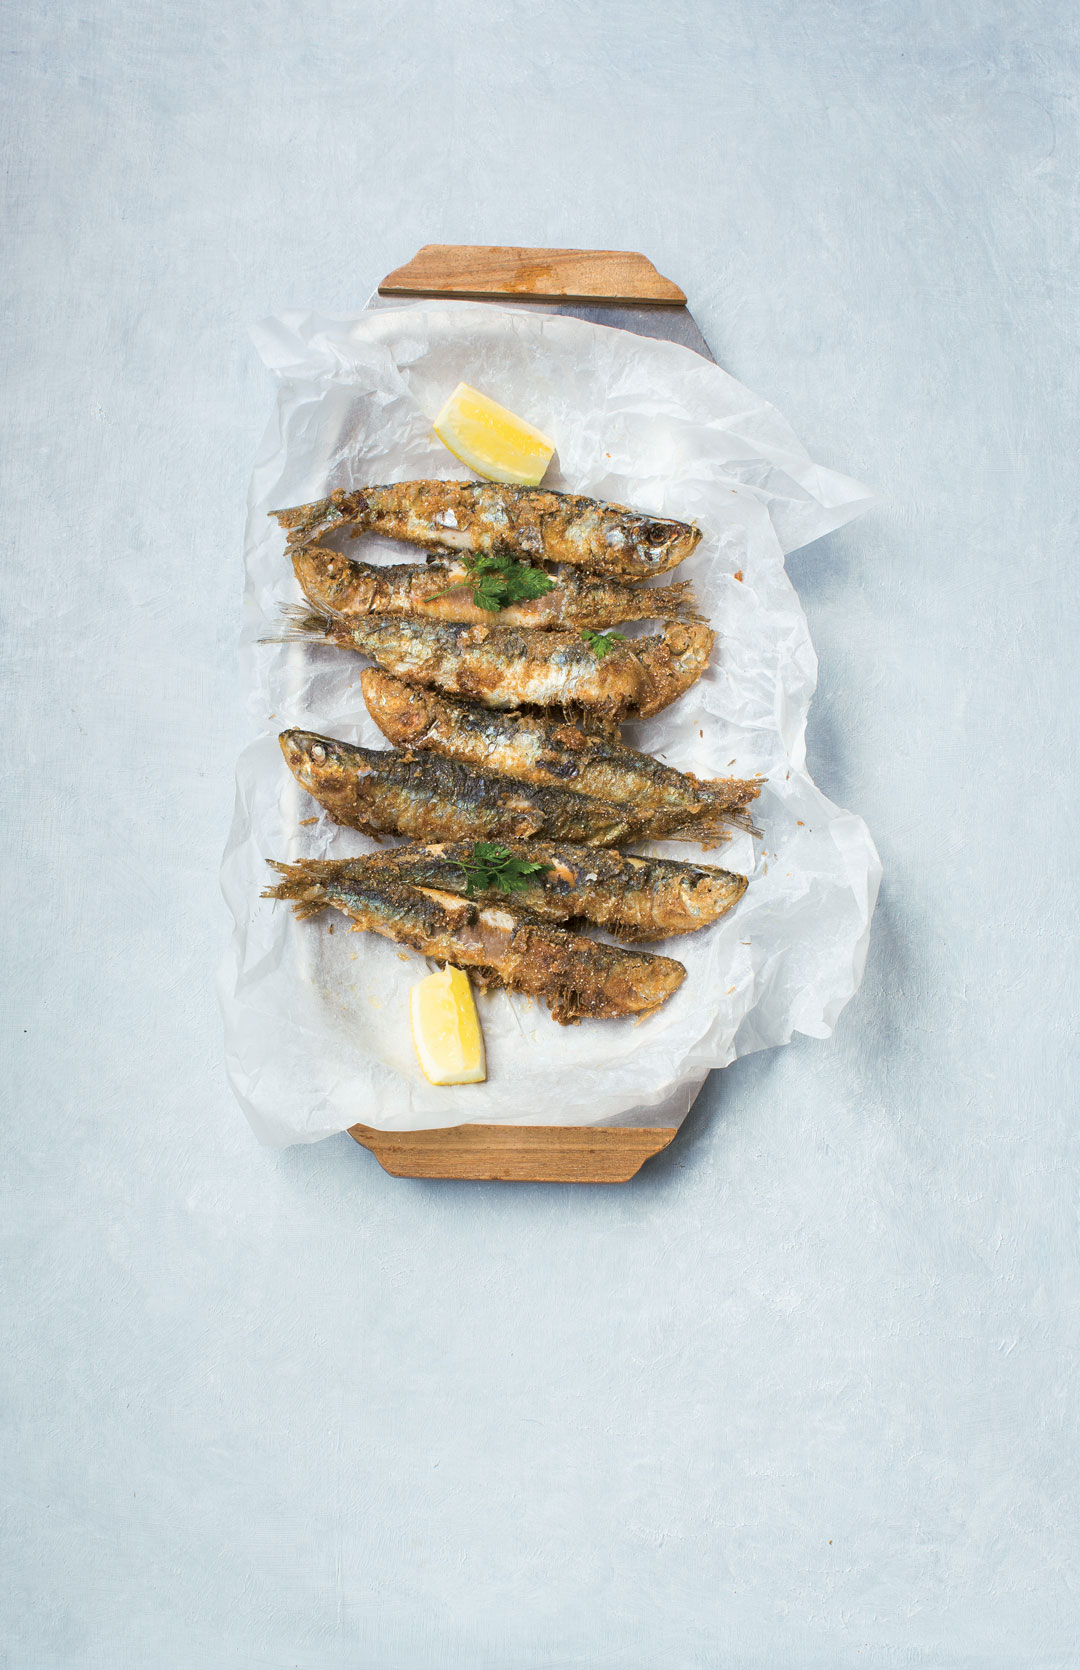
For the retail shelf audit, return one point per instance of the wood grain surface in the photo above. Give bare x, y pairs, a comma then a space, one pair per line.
517, 1153
479, 271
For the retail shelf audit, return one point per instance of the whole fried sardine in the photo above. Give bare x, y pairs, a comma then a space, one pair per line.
336, 585
633, 898
541, 749
507, 667
578, 977
532, 521
427, 797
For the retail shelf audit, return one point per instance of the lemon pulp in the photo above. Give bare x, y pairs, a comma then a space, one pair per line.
492, 441
446, 1029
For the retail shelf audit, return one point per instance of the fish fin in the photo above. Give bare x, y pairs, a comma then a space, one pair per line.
708, 828
707, 832
598, 720
301, 887
742, 820
676, 602
301, 625
729, 792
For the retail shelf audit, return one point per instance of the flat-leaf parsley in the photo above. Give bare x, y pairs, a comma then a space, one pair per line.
498, 580
601, 642
493, 865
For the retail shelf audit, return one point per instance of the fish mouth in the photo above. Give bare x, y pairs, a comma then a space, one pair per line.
306, 754
403, 714
320, 572
689, 640
681, 539
306, 521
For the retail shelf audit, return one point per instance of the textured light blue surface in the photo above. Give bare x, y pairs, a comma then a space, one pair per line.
804, 1394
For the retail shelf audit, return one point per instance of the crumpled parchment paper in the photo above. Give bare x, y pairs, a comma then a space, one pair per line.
316, 1021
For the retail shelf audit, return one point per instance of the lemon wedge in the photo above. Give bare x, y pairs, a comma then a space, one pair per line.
446, 1029
492, 441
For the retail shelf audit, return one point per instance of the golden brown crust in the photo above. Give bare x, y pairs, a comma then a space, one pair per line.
550, 749
428, 797
512, 667
560, 790
578, 977
340, 586
634, 898
534, 522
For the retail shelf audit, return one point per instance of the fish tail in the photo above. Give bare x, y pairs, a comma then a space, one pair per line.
706, 831
675, 602
729, 794
302, 887
742, 820
713, 828
301, 624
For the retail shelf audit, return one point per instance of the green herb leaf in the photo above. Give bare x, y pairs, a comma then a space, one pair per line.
499, 580
601, 642
530, 582
494, 866
489, 592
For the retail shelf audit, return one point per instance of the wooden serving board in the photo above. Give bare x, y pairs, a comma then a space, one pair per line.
477, 272
517, 1153
525, 1153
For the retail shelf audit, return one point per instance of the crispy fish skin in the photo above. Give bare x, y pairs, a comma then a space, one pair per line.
472, 516
339, 586
508, 667
579, 978
634, 898
427, 797
541, 749
673, 662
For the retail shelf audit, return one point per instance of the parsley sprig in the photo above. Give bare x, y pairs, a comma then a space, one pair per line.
494, 866
601, 642
498, 580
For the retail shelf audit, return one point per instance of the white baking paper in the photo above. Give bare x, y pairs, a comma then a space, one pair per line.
316, 1017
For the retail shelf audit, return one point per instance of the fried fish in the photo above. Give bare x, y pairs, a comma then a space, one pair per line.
428, 797
508, 667
336, 585
483, 517
579, 978
634, 898
538, 748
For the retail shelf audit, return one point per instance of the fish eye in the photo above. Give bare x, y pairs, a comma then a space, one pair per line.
318, 752
656, 534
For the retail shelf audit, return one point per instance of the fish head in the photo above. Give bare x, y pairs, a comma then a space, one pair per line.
403, 714
324, 767
665, 977
333, 584
659, 543
673, 661
304, 523
688, 645
710, 893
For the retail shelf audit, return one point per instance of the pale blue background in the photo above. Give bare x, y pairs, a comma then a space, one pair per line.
804, 1394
